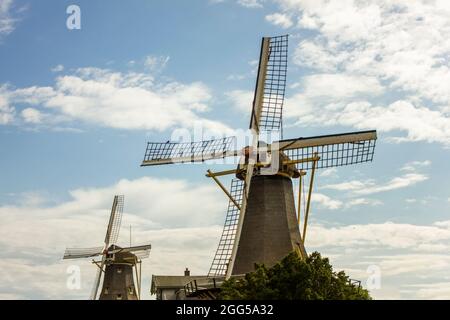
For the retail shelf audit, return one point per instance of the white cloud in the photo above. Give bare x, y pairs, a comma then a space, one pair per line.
325, 201
7, 22
31, 115
414, 263
184, 236
57, 68
34, 235
370, 186
234, 77
250, 3
401, 41
433, 291
354, 189
156, 63
388, 235
413, 165
330, 172
312, 54
418, 123
253, 63
403, 44
120, 100
349, 185
6, 111
341, 86
395, 183
363, 202
329, 93
241, 99
280, 19
329, 203
407, 255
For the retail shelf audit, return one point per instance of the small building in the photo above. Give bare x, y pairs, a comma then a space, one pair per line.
172, 287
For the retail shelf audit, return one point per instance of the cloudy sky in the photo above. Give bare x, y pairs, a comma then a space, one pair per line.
77, 107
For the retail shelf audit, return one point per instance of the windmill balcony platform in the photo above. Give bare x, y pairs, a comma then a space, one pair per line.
206, 288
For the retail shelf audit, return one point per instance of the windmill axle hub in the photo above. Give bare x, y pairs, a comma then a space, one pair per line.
265, 164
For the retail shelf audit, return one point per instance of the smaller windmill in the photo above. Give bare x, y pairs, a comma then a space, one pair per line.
116, 264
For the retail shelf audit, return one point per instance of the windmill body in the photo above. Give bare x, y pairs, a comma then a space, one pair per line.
118, 282
270, 229
118, 266
262, 224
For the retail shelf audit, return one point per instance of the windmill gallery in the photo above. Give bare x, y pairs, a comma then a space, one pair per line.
263, 222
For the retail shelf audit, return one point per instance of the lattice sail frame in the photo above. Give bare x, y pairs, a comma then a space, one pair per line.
222, 257
76, 253
140, 251
334, 150
271, 118
142, 254
174, 152
115, 220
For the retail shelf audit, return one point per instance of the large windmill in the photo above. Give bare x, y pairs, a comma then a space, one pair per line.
262, 224
117, 263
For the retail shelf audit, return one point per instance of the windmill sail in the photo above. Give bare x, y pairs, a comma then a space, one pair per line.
274, 85
144, 254
77, 253
112, 233
142, 250
222, 257
172, 152
334, 150
97, 280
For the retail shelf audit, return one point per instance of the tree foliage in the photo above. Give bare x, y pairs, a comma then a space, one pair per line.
294, 279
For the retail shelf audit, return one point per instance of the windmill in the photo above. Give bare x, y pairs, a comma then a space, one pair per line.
116, 263
262, 224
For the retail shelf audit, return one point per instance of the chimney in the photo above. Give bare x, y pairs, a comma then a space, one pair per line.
187, 273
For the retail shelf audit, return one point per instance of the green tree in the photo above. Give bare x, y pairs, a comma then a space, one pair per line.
294, 279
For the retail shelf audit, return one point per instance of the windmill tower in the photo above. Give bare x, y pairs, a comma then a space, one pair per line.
117, 264
262, 224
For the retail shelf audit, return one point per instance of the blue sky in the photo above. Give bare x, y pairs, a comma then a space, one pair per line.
77, 107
